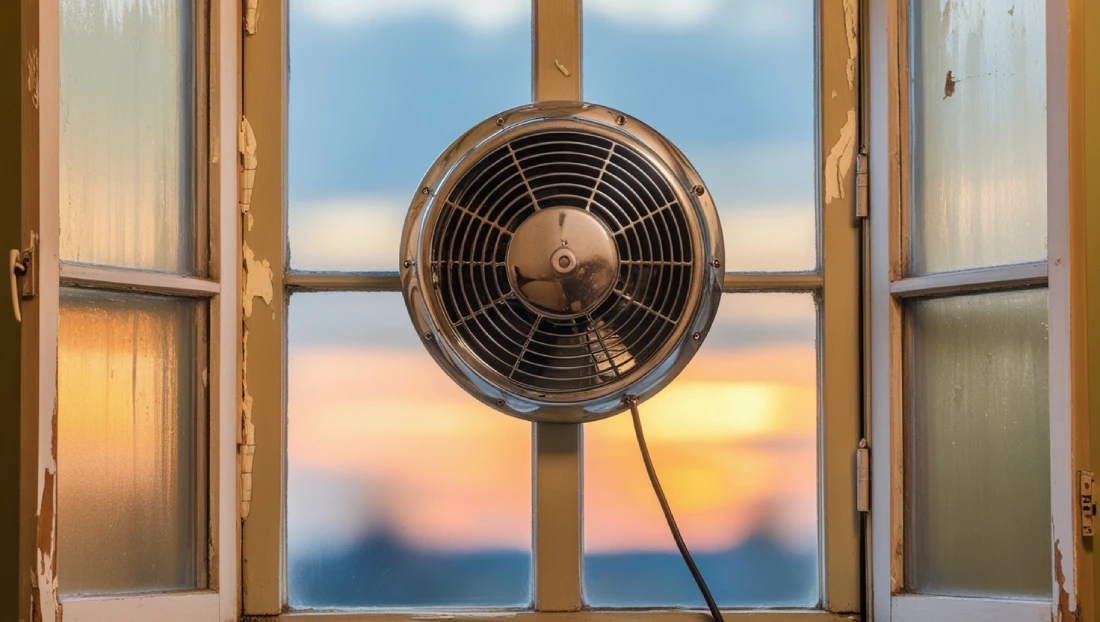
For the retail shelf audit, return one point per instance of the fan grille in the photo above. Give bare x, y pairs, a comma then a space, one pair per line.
620, 336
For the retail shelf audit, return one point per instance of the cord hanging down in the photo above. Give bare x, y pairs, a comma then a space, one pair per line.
698, 576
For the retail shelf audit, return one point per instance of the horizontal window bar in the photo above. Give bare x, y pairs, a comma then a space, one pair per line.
343, 281
594, 615
180, 607
734, 282
390, 281
918, 608
970, 281
137, 280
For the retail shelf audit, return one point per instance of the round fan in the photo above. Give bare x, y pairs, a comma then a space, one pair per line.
561, 260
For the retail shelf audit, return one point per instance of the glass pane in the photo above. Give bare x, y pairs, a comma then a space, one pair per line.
128, 133
979, 133
131, 496
426, 493
377, 91
732, 83
734, 442
978, 521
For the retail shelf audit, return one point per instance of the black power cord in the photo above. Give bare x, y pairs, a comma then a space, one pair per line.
714, 612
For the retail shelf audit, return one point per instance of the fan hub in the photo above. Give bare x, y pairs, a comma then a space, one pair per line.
562, 262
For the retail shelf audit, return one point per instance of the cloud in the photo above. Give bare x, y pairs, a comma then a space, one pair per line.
353, 234
477, 15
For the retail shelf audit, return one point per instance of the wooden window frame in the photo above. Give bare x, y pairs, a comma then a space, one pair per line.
216, 79
557, 449
889, 286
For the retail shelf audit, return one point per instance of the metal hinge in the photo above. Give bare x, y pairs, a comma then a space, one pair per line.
1086, 503
22, 274
863, 186
863, 477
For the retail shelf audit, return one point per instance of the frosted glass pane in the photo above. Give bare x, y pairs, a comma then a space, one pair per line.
131, 427
978, 520
377, 91
426, 493
734, 442
979, 133
732, 83
128, 133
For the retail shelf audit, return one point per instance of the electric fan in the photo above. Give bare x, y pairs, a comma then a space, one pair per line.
561, 262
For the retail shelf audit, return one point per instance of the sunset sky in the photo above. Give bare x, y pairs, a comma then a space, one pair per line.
384, 440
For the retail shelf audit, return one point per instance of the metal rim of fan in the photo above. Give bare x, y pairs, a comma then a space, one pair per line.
472, 320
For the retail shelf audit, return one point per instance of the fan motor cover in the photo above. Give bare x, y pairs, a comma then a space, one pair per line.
560, 259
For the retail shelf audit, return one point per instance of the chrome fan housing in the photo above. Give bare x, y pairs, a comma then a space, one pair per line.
560, 258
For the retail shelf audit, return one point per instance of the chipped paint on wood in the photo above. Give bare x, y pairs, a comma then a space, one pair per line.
251, 16
839, 162
1066, 611
32, 76
246, 435
246, 144
44, 600
561, 68
851, 32
258, 281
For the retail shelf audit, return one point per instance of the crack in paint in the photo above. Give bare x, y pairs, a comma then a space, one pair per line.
246, 144
839, 162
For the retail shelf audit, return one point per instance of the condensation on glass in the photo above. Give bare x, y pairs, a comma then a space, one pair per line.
732, 84
377, 91
128, 134
403, 491
734, 442
978, 470
131, 484
979, 133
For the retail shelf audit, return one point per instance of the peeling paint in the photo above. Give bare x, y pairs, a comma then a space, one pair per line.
246, 144
258, 280
949, 86
561, 68
834, 93
851, 31
32, 76
1065, 614
44, 576
251, 16
839, 161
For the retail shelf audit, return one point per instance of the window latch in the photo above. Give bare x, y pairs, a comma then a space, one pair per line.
1086, 502
21, 275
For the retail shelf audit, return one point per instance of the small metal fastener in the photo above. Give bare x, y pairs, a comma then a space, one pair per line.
630, 400
408, 263
716, 263
620, 120
425, 190
500, 402
428, 336
697, 336
500, 121
698, 189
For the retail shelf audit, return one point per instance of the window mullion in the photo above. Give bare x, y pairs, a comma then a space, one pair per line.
557, 488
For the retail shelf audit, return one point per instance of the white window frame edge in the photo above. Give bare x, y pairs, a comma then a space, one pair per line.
40, 108
887, 34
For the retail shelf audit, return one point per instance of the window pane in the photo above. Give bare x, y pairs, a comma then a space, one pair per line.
732, 83
979, 133
734, 442
377, 91
128, 133
979, 468
403, 491
131, 443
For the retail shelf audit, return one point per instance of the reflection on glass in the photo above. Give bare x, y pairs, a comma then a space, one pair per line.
979, 133
131, 460
734, 442
127, 133
426, 493
732, 84
377, 91
979, 461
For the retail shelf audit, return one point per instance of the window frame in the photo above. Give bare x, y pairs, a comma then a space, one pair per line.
557, 449
215, 282
889, 132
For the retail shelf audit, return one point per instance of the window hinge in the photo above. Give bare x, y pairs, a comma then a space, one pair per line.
863, 477
863, 180
1086, 503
